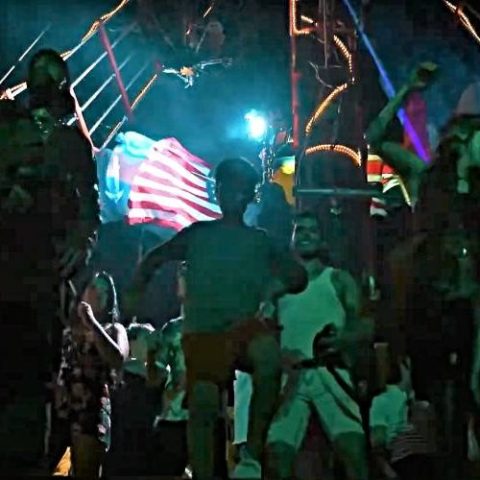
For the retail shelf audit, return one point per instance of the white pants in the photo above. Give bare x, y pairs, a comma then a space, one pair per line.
317, 388
242, 388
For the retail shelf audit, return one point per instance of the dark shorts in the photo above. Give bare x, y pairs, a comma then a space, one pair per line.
213, 357
168, 452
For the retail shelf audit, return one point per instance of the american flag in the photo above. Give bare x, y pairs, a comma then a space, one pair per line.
172, 188
379, 172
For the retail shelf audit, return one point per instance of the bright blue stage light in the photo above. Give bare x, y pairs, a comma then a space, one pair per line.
256, 124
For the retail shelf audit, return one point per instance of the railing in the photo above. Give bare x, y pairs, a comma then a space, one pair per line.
127, 68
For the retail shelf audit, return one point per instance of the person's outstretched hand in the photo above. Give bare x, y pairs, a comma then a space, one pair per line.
423, 75
85, 313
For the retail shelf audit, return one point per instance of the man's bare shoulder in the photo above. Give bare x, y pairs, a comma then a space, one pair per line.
201, 227
342, 278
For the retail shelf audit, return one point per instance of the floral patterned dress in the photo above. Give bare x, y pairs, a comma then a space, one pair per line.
84, 383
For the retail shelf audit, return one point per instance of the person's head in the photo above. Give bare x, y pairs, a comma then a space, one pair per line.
138, 334
458, 151
48, 83
236, 181
461, 136
307, 238
455, 170
101, 294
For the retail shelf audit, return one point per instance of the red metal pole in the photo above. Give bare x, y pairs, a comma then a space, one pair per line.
294, 76
295, 79
113, 62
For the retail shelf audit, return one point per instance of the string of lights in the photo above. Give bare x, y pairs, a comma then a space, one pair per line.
323, 106
341, 149
102, 20
294, 30
338, 43
343, 51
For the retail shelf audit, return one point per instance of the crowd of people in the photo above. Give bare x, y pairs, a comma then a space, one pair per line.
272, 339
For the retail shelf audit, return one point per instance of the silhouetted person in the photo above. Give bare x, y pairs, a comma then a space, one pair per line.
233, 274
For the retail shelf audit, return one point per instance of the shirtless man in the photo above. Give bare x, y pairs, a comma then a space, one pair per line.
234, 272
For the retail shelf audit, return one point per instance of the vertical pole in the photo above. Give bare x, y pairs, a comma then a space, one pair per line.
323, 11
113, 62
141, 245
295, 101
294, 76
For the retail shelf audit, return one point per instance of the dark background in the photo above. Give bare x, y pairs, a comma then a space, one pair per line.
404, 32
208, 119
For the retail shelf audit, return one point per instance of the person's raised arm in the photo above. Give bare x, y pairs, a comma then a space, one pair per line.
174, 249
112, 345
420, 78
405, 163
288, 274
376, 130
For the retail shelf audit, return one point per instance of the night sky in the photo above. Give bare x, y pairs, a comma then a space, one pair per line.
404, 33
208, 118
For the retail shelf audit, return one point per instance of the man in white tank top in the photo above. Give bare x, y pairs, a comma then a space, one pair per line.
331, 299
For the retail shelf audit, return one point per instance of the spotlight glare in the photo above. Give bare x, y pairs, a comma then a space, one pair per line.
256, 125
288, 166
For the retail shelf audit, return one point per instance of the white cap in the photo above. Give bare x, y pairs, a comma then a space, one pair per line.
469, 103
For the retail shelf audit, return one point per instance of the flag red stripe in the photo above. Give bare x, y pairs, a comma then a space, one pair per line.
172, 183
164, 166
173, 144
155, 205
179, 160
186, 159
157, 221
200, 192
200, 204
145, 216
